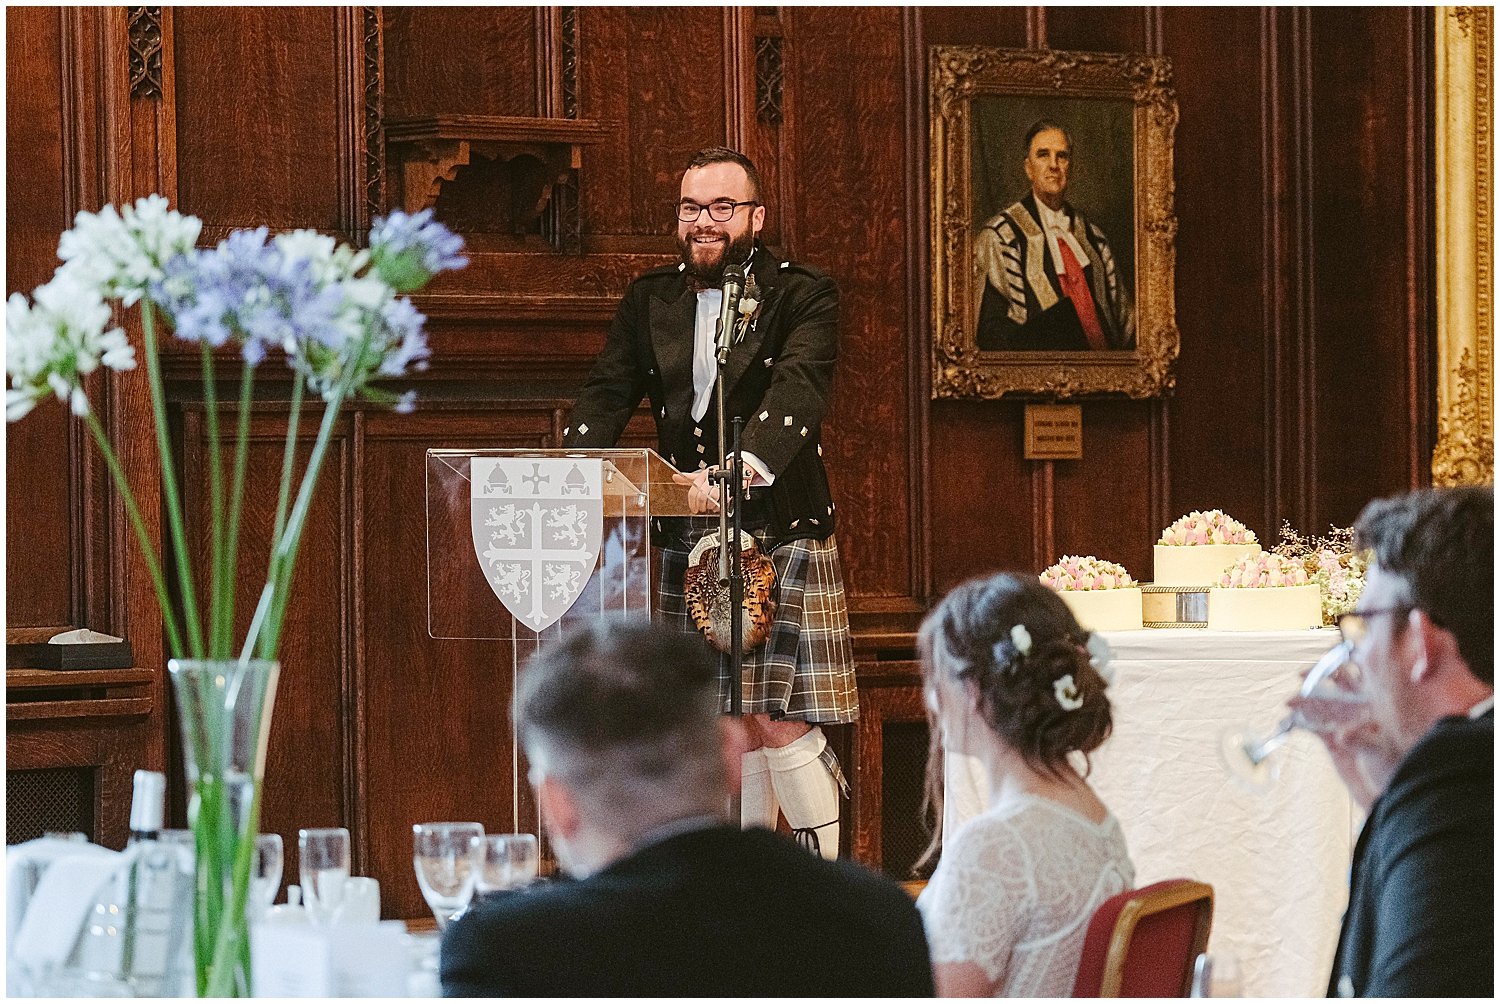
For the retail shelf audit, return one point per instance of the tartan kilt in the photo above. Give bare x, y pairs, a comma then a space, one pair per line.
805, 669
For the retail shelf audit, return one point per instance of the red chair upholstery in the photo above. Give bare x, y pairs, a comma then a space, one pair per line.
1143, 942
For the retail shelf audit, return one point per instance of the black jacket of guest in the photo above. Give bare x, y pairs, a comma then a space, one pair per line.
1421, 917
717, 912
778, 378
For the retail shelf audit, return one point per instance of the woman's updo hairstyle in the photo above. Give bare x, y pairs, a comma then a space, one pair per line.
1021, 676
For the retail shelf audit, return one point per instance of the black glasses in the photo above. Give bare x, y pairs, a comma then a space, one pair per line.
719, 210
1354, 626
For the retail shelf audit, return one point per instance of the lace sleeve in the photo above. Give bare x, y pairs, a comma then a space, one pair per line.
976, 906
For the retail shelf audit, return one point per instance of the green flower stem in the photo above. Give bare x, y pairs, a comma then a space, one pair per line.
286, 547
283, 503
288, 459
231, 946
171, 498
236, 503
218, 636
207, 822
153, 564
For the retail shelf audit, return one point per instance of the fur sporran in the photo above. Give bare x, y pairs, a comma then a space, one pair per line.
708, 602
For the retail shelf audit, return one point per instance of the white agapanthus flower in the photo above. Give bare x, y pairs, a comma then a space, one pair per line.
330, 260
123, 251
56, 340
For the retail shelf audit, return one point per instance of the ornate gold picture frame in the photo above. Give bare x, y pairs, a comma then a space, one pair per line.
1464, 79
1087, 136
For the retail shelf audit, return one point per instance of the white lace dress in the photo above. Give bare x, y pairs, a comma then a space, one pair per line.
1014, 891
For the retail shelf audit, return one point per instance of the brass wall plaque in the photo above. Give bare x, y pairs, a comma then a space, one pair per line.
1054, 432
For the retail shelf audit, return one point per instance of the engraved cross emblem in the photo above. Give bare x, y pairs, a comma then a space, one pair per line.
536, 479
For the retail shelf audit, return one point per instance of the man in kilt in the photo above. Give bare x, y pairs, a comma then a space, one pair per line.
661, 345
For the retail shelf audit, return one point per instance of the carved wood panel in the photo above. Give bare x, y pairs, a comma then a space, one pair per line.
309, 759
434, 713
39, 560
851, 220
461, 60
656, 75
258, 116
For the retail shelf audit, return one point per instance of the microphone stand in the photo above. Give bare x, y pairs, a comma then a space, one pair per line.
730, 478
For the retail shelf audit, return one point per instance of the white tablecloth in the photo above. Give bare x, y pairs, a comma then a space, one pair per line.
1278, 862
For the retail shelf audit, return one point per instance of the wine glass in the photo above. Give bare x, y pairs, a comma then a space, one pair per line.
265, 872
508, 862
324, 861
446, 857
1333, 698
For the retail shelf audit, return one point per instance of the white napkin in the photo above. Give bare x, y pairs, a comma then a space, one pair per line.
41, 854
71, 886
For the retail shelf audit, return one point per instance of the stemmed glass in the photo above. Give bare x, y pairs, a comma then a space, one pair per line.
508, 862
265, 873
447, 858
324, 861
1334, 697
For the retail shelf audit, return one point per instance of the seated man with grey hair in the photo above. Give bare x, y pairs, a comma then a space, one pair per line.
665, 897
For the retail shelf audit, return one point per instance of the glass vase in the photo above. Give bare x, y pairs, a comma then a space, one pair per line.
224, 707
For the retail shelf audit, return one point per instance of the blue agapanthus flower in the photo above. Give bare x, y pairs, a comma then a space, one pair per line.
249, 289
409, 249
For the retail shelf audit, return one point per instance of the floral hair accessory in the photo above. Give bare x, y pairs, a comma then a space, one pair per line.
1100, 656
1021, 638
1066, 692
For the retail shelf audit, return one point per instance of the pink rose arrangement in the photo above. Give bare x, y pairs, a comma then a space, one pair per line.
1075, 572
1263, 571
1212, 527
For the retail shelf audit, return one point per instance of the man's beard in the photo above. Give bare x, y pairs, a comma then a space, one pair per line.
735, 252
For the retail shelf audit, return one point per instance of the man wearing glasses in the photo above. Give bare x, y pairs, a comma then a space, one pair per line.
1421, 901
661, 345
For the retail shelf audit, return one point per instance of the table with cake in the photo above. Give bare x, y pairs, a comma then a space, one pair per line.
1216, 639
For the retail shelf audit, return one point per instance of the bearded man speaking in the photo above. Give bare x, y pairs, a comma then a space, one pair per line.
661, 346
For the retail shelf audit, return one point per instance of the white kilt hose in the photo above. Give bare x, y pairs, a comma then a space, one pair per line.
805, 669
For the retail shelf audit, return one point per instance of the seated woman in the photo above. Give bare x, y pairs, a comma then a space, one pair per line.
1011, 680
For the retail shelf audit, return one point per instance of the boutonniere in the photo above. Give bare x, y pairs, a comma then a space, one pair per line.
750, 304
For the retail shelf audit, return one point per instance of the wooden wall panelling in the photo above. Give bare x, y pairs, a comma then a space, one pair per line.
1371, 362
262, 109
851, 215
774, 119
106, 742
461, 61
891, 694
73, 563
1290, 459
1219, 412
42, 562
656, 74
436, 712
310, 760
1096, 29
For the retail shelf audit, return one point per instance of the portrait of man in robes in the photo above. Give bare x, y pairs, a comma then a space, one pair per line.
1046, 275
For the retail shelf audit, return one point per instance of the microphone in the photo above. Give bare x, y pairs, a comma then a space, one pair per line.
733, 287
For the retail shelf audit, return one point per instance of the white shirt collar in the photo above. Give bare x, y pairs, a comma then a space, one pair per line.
1053, 218
1483, 706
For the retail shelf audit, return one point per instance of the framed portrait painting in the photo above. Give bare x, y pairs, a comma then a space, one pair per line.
1052, 223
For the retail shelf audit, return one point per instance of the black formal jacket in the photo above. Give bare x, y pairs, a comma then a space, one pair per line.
718, 912
778, 380
1421, 917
